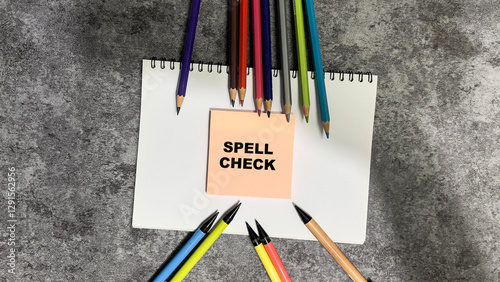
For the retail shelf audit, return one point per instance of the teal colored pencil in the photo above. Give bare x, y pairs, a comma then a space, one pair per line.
318, 66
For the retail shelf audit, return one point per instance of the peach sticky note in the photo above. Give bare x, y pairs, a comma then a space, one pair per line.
249, 155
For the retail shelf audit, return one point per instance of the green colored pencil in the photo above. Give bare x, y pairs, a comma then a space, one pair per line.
302, 58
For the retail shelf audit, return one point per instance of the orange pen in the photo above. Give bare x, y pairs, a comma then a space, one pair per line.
273, 254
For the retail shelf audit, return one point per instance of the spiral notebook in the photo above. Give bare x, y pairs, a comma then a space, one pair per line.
330, 177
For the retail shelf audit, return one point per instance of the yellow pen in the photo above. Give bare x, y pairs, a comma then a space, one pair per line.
205, 245
264, 257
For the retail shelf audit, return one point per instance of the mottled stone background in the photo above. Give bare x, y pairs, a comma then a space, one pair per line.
70, 78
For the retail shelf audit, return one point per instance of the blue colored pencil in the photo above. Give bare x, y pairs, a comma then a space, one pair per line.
318, 66
188, 52
266, 56
200, 233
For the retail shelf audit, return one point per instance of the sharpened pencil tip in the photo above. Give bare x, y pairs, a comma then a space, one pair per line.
241, 101
268, 114
327, 135
307, 119
178, 110
258, 112
232, 103
288, 117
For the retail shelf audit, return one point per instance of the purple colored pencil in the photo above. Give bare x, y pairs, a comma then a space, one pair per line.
188, 52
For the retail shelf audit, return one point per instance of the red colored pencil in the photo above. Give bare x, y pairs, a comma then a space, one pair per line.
273, 254
242, 78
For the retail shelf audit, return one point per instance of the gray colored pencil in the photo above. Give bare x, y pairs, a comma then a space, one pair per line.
285, 69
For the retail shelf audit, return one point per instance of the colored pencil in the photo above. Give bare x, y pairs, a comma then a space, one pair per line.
205, 245
285, 69
257, 55
198, 235
301, 57
273, 254
318, 67
233, 65
329, 245
264, 257
242, 77
188, 52
267, 75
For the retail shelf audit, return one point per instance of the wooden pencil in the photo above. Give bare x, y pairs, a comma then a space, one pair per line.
267, 76
285, 69
318, 66
301, 57
188, 52
233, 62
257, 57
242, 76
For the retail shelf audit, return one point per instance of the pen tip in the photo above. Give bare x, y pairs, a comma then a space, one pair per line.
305, 217
232, 103
258, 112
268, 114
253, 236
262, 233
231, 213
288, 117
205, 227
307, 119
178, 110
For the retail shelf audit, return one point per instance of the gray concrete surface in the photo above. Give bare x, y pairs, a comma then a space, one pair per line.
70, 78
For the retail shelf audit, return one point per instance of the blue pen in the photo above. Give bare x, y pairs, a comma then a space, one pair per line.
200, 233
266, 56
318, 66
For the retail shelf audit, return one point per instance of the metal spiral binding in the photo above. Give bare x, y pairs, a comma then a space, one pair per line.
341, 75
218, 66
163, 63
